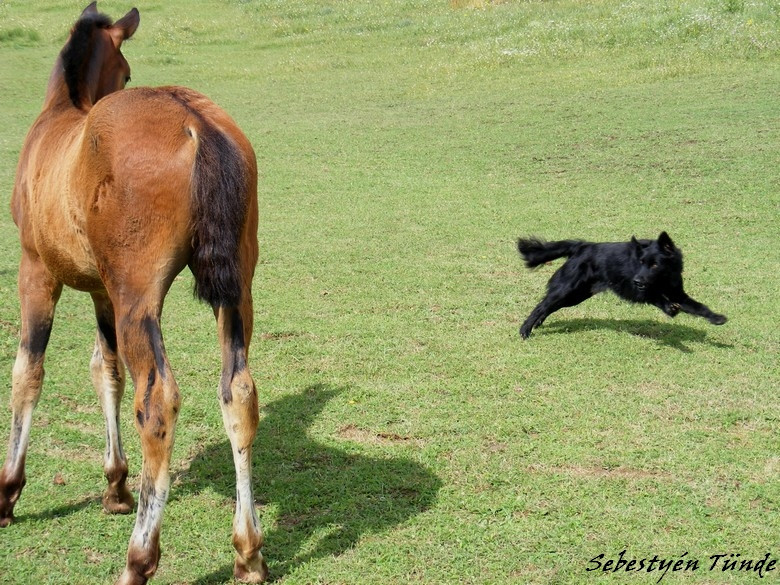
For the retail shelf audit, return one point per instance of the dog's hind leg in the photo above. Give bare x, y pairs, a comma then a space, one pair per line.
555, 300
536, 318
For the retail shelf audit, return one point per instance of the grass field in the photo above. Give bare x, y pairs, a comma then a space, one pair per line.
407, 434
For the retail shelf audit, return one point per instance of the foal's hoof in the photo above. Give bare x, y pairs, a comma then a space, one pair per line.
7, 510
254, 572
131, 578
120, 502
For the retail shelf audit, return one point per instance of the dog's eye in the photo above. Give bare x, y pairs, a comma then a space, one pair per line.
653, 266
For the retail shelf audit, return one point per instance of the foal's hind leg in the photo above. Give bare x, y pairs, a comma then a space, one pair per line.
156, 410
238, 399
39, 293
108, 376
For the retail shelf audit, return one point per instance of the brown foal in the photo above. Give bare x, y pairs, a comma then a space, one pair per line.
116, 192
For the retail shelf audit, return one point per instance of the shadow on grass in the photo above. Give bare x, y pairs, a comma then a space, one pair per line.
326, 497
673, 335
59, 511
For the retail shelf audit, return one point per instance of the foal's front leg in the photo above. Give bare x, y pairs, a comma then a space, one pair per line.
38, 293
108, 376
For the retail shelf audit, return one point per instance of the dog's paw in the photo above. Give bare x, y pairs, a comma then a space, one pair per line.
718, 319
672, 309
525, 332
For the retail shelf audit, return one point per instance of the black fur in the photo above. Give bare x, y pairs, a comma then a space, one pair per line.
238, 349
641, 271
107, 330
154, 335
37, 337
76, 53
220, 201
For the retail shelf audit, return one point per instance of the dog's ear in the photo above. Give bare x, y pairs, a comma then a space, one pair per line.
635, 245
666, 243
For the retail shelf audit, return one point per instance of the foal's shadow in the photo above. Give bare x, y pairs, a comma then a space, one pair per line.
60, 511
326, 497
673, 335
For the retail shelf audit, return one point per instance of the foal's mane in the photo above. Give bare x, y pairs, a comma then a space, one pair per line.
77, 52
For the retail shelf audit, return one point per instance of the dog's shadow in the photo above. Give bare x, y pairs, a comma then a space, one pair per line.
326, 497
674, 335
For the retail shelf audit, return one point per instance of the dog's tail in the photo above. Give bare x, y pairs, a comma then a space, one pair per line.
535, 251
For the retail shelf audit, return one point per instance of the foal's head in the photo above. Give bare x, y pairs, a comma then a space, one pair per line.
91, 64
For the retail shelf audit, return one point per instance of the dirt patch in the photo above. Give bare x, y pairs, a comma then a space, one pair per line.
355, 433
279, 335
599, 472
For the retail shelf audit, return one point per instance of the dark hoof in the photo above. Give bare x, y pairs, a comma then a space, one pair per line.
10, 490
120, 502
256, 572
131, 578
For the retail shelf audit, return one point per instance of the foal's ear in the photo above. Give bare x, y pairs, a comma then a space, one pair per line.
666, 243
91, 9
124, 28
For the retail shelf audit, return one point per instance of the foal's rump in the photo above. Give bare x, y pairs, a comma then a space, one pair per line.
168, 177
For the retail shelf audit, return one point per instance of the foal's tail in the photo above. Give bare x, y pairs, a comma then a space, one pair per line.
220, 202
536, 251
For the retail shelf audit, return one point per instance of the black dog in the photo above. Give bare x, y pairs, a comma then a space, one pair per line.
641, 271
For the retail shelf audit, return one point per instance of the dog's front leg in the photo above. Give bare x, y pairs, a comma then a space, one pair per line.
692, 307
669, 307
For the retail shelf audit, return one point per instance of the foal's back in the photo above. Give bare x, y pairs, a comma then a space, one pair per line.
123, 182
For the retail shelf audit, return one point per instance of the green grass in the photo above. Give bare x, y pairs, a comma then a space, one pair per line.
407, 434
